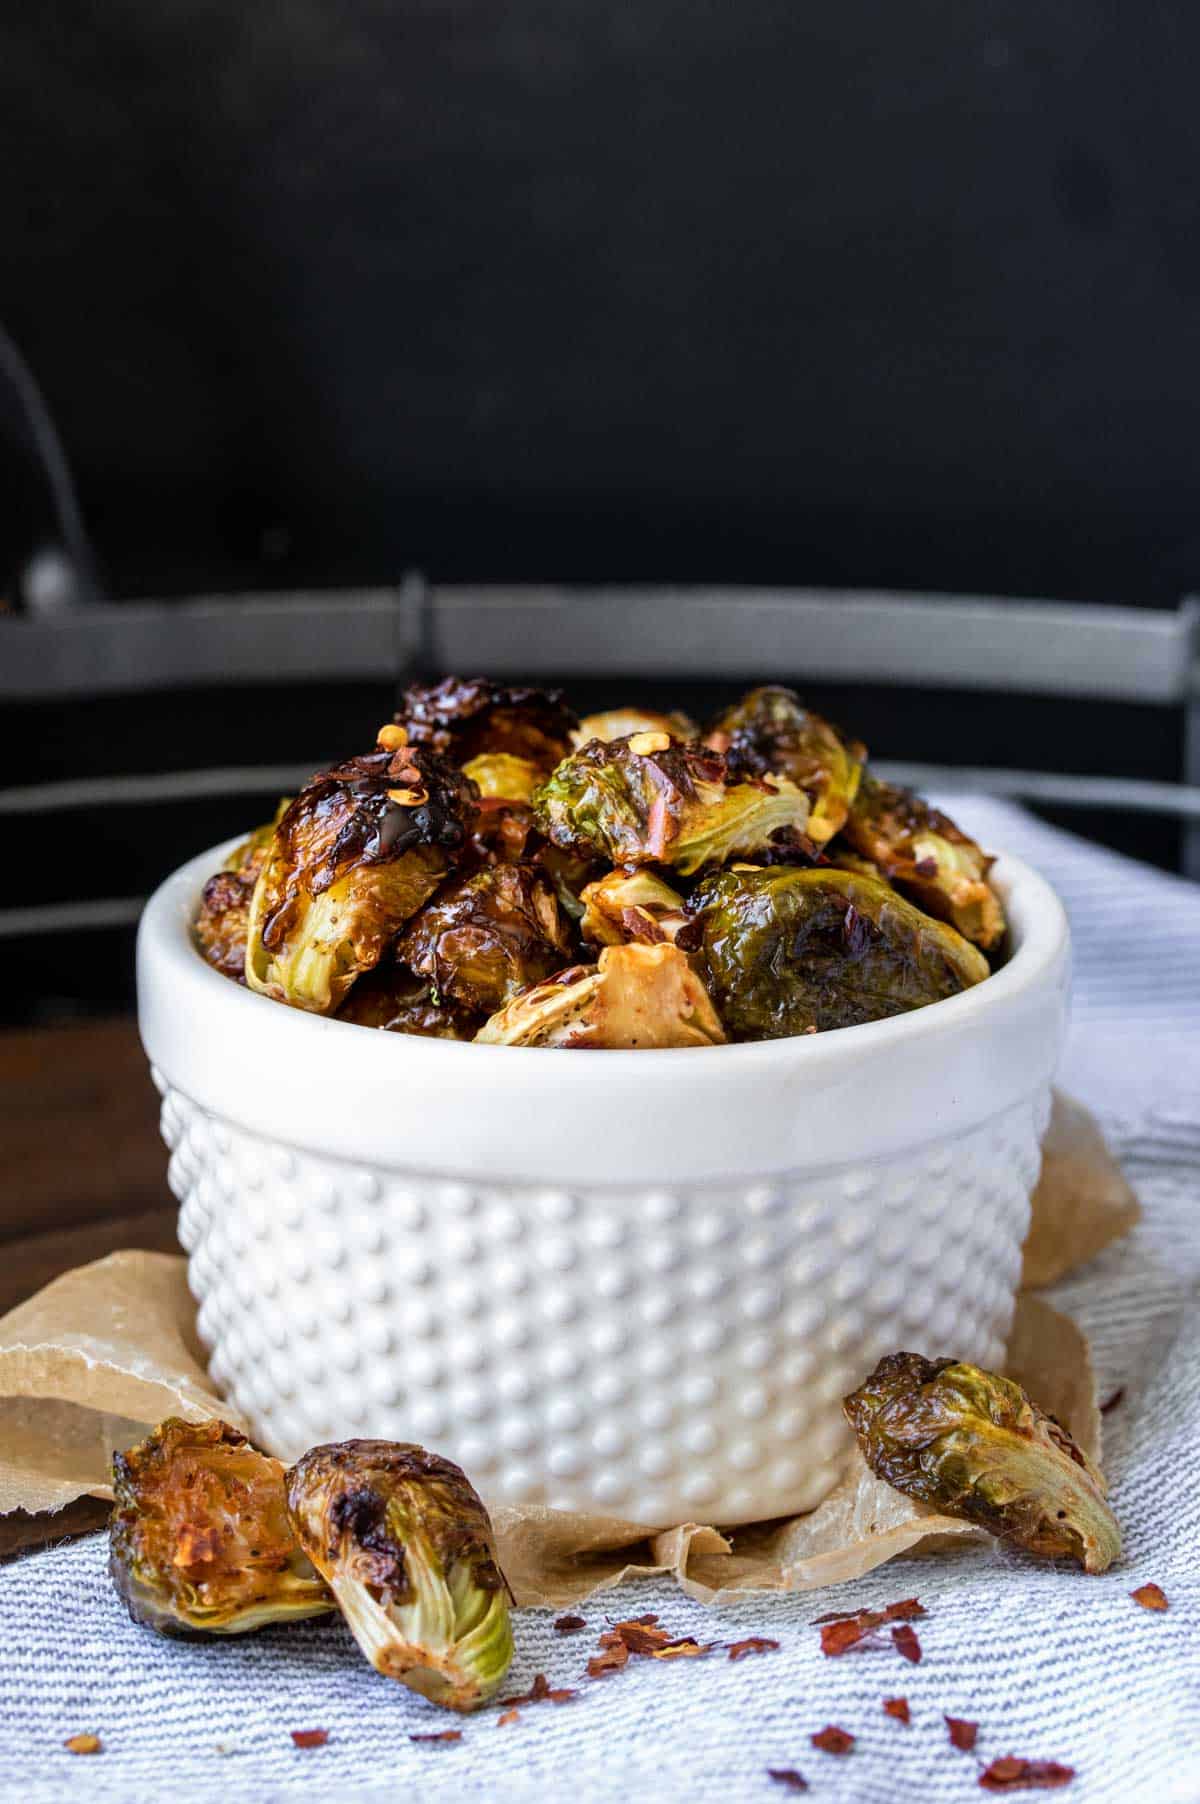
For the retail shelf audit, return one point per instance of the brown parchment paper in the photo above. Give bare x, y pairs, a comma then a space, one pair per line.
104, 1352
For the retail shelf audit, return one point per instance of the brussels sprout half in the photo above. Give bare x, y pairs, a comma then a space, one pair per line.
620, 723
486, 935
464, 719
631, 905
647, 799
790, 951
407, 1549
769, 730
973, 1445
357, 853
399, 1002
643, 996
223, 918
199, 1539
921, 851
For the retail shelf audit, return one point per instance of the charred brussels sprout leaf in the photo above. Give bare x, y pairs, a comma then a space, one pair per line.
465, 720
631, 905
974, 1445
407, 1549
789, 950
619, 723
357, 853
769, 730
223, 918
487, 934
400, 1002
649, 800
921, 851
199, 1539
636, 995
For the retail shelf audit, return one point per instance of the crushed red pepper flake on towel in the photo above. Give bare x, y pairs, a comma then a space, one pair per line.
540, 1692
904, 1640
841, 1632
788, 1777
1010, 1773
83, 1744
442, 1735
753, 1644
897, 1707
569, 1625
611, 1659
962, 1733
1110, 1403
832, 1740
510, 1716
310, 1738
1151, 1597
686, 1648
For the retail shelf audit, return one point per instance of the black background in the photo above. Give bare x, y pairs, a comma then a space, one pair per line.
887, 295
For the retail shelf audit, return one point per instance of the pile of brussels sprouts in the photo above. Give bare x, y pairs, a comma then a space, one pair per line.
498, 870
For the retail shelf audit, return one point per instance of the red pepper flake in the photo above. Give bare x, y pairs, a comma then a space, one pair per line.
962, 1733
444, 1735
1111, 1403
540, 1692
788, 1777
510, 1716
611, 1660
569, 1625
1012, 1774
310, 1738
1151, 1597
753, 1644
897, 1707
83, 1744
841, 1632
904, 1640
832, 1740
686, 1648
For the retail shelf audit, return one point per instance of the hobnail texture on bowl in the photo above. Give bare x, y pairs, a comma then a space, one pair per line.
657, 1354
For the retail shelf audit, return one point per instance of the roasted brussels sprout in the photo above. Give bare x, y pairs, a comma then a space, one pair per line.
787, 951
921, 851
631, 905
464, 720
357, 853
974, 1445
636, 995
407, 1549
499, 777
400, 1002
221, 923
769, 730
649, 800
619, 723
487, 934
199, 1539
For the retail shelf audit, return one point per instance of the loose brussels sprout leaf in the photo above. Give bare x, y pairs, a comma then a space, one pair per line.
620, 723
357, 853
407, 1549
221, 923
645, 996
400, 1002
769, 730
974, 1445
499, 777
631, 905
465, 719
641, 801
921, 851
787, 951
487, 934
199, 1538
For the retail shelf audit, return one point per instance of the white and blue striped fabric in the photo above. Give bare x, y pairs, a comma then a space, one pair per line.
1050, 1664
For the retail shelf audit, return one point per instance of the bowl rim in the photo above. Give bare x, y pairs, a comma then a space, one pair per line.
178, 992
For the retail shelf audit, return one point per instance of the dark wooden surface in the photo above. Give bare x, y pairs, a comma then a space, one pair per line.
83, 1170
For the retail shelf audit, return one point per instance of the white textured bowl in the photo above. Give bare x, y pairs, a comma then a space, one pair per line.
635, 1283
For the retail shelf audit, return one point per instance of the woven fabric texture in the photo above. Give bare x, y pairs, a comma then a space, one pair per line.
1050, 1664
